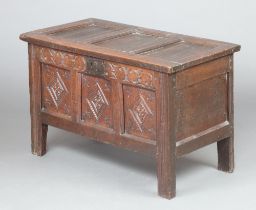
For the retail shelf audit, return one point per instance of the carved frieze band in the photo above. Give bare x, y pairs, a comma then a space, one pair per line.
123, 73
62, 59
110, 70
132, 75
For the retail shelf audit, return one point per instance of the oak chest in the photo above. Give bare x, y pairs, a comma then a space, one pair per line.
145, 90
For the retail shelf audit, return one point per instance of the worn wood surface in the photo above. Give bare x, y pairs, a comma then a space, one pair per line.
152, 49
140, 89
38, 128
165, 148
226, 146
210, 90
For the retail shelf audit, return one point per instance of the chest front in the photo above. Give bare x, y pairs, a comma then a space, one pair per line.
116, 102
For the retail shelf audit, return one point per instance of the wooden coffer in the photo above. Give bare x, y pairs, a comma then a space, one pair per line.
145, 90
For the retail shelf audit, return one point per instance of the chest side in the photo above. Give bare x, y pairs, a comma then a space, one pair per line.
203, 99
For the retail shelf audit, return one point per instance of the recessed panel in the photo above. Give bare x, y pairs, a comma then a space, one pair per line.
181, 52
82, 32
87, 32
56, 90
140, 112
201, 106
136, 42
96, 101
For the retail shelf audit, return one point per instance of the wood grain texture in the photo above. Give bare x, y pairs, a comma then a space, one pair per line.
102, 134
157, 50
202, 72
38, 129
140, 89
226, 146
165, 150
201, 106
204, 138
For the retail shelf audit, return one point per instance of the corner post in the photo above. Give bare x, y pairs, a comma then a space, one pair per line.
166, 142
226, 146
38, 129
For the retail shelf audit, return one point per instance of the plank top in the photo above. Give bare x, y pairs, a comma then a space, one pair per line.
153, 49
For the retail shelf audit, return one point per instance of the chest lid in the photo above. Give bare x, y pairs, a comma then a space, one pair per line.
156, 50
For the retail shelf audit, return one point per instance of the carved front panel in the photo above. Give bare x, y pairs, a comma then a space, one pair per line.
56, 96
96, 101
140, 112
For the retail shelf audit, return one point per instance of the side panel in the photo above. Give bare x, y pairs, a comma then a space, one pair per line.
202, 97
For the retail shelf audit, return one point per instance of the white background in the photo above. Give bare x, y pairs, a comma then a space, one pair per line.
80, 174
